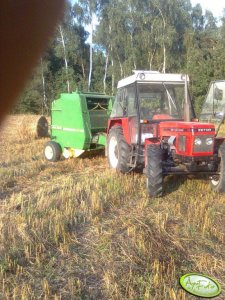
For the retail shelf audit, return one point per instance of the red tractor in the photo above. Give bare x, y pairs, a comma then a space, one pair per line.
153, 128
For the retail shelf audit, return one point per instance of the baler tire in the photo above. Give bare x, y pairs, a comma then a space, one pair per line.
123, 150
154, 170
52, 151
219, 185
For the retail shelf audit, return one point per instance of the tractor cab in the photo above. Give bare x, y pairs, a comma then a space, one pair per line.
145, 99
153, 128
152, 100
213, 110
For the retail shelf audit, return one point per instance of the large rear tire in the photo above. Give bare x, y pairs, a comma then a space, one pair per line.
154, 170
118, 150
52, 151
218, 181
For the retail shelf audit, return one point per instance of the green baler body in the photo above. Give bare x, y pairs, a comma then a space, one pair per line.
79, 120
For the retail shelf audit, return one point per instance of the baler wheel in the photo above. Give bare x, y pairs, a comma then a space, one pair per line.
154, 170
218, 181
52, 151
118, 150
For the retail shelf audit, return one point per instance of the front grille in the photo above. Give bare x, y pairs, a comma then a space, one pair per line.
182, 143
203, 147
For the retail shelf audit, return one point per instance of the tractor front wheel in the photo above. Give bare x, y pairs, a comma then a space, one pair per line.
218, 181
118, 150
154, 170
52, 151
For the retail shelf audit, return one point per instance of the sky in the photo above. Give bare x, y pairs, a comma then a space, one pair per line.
215, 6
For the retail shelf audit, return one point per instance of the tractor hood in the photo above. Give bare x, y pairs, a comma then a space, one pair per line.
190, 139
173, 128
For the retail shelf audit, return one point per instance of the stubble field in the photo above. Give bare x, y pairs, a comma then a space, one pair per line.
77, 230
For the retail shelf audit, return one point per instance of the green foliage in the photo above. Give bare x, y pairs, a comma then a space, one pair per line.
170, 36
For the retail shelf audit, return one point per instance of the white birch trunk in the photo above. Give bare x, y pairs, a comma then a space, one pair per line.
44, 104
112, 61
105, 73
131, 36
83, 71
132, 46
151, 59
91, 52
164, 47
121, 67
65, 58
164, 58
113, 77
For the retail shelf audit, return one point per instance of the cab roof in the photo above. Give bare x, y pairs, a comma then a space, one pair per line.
151, 76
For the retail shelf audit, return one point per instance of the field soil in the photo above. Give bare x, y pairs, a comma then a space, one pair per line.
77, 230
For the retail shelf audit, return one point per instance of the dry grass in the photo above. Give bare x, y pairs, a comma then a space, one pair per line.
76, 230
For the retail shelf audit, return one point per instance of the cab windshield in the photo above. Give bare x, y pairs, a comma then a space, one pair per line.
162, 101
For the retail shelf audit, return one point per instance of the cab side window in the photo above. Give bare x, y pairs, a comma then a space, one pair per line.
125, 104
131, 100
118, 109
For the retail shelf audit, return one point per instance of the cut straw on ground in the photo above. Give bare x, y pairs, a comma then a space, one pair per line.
77, 230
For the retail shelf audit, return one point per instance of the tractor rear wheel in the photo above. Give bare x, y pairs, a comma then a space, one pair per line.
218, 181
52, 151
154, 170
118, 150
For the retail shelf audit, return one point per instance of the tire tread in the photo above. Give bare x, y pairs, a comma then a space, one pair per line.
154, 170
124, 149
57, 151
220, 187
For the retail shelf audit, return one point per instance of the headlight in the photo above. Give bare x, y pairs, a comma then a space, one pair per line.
203, 143
209, 141
198, 142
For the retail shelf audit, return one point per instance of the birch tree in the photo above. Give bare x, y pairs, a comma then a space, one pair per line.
85, 11
65, 57
44, 103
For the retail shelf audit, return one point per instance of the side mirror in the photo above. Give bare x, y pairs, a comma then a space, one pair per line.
218, 94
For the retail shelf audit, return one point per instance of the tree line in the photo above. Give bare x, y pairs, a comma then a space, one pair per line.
163, 35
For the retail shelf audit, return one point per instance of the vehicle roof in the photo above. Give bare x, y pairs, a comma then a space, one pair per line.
215, 81
151, 76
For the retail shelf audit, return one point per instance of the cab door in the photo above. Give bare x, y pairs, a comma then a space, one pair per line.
131, 104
